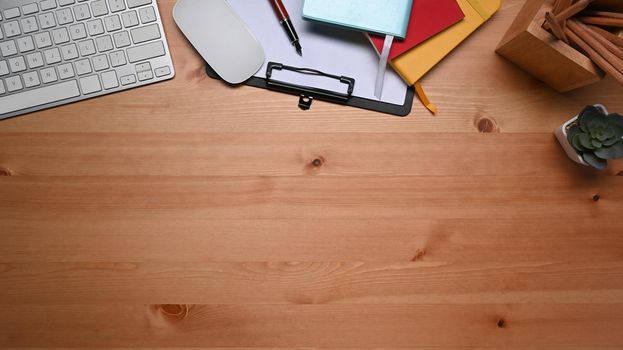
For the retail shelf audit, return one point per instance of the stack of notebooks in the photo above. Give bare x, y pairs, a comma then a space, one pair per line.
435, 28
430, 29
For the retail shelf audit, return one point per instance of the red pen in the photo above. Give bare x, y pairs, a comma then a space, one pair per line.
286, 23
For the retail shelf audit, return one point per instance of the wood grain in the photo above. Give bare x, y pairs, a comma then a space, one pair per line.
282, 154
189, 214
117, 236
360, 326
293, 198
317, 283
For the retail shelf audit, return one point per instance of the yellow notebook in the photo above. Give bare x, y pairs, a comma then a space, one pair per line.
413, 64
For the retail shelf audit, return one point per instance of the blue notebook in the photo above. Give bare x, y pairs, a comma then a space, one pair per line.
389, 17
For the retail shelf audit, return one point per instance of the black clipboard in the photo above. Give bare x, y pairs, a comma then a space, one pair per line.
331, 52
307, 94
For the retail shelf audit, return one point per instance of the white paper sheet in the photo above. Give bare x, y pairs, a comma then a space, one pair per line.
331, 50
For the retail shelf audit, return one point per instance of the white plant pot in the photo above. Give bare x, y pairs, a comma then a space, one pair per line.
561, 135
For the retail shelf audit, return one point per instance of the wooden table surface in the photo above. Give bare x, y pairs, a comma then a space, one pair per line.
191, 214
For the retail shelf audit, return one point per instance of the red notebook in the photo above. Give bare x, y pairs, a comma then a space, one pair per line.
428, 17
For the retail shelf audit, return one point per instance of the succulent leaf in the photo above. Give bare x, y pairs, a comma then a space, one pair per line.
585, 140
615, 119
613, 152
595, 161
589, 113
609, 133
611, 141
596, 143
575, 142
573, 130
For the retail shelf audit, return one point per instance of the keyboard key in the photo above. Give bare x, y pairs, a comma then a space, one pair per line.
66, 71
64, 16
137, 3
122, 39
163, 71
13, 83
17, 64
104, 43
4, 68
86, 47
145, 75
146, 33
117, 58
31, 8
83, 67
35, 60
43, 40
11, 29
130, 19
52, 56
147, 15
144, 52
141, 67
31, 79
90, 84
40, 96
99, 8
128, 79
29, 24
109, 80
47, 20
116, 5
69, 52
112, 23
12, 13
25, 44
60, 35
8, 48
66, 2
95, 27
78, 31
48, 75
2, 90
82, 12
100, 62
1, 35
47, 5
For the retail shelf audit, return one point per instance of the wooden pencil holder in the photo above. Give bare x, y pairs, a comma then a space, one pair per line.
535, 50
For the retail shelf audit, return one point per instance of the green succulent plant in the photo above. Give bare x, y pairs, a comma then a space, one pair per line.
597, 136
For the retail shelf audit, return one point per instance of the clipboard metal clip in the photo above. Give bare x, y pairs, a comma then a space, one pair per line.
308, 93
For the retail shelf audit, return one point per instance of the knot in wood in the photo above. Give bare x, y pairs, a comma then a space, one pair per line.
486, 124
419, 255
316, 163
501, 323
175, 311
596, 198
5, 172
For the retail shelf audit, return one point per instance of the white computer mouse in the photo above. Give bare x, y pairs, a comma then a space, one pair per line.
221, 38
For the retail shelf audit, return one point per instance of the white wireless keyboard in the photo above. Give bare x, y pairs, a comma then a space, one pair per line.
54, 52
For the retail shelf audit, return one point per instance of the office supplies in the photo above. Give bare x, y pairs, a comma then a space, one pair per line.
220, 37
413, 64
427, 19
389, 17
327, 49
573, 61
55, 53
286, 23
